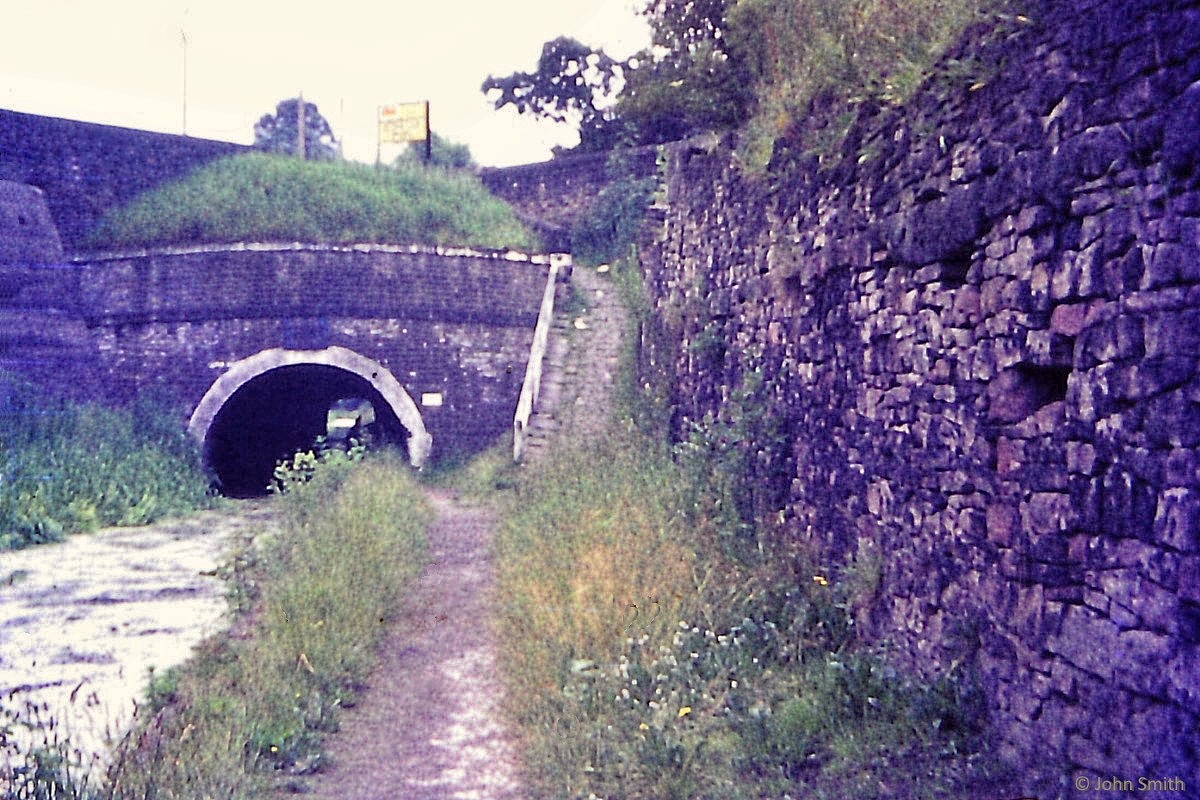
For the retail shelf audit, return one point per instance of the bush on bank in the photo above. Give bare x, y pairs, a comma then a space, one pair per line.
69, 468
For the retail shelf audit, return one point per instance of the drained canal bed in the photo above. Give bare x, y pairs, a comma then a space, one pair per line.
82, 622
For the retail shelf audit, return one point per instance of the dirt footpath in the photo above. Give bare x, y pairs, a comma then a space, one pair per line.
429, 726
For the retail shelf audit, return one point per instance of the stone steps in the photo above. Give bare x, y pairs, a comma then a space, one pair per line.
581, 366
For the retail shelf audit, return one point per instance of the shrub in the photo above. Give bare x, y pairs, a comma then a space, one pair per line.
845, 51
611, 224
261, 197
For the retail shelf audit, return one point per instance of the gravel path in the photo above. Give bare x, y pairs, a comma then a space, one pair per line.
429, 725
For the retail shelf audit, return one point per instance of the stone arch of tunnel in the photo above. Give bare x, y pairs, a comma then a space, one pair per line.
267, 406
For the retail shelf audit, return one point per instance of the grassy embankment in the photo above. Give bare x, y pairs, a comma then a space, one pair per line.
657, 648
252, 706
261, 197
70, 468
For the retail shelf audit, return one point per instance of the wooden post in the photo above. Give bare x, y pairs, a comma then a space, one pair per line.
428, 137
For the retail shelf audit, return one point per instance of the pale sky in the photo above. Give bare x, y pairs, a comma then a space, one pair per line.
121, 62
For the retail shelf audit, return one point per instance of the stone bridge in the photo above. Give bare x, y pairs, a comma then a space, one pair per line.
253, 342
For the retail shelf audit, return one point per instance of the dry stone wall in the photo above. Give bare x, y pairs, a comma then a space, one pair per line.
975, 330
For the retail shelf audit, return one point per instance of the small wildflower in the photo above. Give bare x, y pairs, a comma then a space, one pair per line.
643, 727
820, 580
683, 712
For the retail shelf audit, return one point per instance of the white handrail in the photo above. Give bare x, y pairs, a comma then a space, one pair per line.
531, 387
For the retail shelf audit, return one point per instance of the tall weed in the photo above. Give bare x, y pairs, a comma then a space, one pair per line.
845, 51
69, 468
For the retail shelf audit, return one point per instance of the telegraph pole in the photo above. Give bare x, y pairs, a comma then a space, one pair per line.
300, 126
183, 35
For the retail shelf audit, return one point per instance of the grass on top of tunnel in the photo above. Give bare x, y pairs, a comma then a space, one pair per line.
265, 197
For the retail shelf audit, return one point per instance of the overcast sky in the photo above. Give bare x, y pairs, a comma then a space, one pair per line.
121, 62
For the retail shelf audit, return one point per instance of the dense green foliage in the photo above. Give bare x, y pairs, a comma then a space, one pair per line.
611, 225
260, 197
840, 53
280, 132
68, 468
442, 153
755, 65
313, 600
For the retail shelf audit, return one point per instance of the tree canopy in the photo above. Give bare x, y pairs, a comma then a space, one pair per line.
756, 65
572, 83
279, 132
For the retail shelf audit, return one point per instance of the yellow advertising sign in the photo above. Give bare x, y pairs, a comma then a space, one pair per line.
400, 123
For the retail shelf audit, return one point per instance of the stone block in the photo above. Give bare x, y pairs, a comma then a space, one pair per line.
1189, 578
1086, 641
1068, 319
1049, 512
1177, 521
1003, 524
1171, 264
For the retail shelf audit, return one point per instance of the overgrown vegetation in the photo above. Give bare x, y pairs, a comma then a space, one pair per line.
819, 56
261, 197
761, 66
69, 468
663, 638
253, 705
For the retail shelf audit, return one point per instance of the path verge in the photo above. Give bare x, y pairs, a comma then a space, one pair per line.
429, 726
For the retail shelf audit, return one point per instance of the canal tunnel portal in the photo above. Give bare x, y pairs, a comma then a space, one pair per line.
268, 406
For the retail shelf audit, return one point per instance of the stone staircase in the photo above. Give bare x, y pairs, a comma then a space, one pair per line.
581, 365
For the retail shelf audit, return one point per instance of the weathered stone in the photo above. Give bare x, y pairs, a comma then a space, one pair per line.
1002, 524
1049, 512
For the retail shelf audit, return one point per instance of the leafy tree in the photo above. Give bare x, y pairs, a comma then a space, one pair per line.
692, 78
443, 153
278, 132
572, 83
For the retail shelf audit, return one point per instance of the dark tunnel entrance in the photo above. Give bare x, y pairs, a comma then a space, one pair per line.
283, 410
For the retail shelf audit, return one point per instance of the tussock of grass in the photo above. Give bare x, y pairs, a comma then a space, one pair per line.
318, 597
261, 197
846, 51
731, 680
70, 468
739, 674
